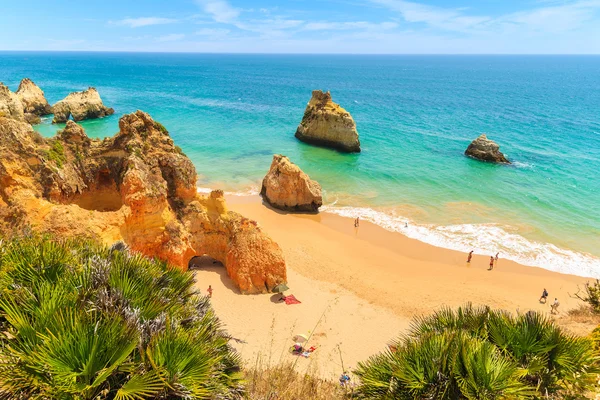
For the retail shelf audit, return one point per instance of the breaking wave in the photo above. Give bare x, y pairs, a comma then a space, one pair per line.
485, 239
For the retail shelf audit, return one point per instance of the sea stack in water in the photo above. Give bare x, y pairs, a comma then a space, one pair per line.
486, 150
81, 105
10, 105
33, 100
136, 187
327, 124
287, 187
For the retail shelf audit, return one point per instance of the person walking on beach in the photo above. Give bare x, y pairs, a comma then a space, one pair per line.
491, 263
470, 256
554, 306
544, 296
497, 254
356, 222
209, 290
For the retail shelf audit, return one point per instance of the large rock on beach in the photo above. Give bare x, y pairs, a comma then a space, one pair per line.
81, 105
485, 149
10, 105
136, 187
33, 100
288, 188
327, 124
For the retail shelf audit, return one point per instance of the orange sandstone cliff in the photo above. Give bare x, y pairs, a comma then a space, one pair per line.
136, 187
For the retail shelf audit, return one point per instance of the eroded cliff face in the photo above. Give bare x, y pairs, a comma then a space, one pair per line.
33, 100
10, 105
137, 187
81, 105
289, 188
327, 124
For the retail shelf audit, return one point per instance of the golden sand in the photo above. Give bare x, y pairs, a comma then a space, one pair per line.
360, 288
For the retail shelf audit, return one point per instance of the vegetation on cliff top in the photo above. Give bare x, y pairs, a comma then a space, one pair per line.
478, 353
80, 321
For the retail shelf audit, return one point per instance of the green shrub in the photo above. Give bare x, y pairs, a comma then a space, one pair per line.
591, 295
595, 337
57, 153
161, 127
478, 353
81, 321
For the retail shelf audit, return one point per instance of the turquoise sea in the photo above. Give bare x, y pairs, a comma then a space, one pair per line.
415, 116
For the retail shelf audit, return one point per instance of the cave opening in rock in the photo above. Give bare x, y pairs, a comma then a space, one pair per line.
105, 196
203, 262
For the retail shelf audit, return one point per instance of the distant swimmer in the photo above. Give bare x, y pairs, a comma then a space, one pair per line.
554, 306
491, 263
544, 296
470, 256
406, 224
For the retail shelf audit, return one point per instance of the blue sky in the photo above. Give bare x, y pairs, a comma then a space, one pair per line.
304, 26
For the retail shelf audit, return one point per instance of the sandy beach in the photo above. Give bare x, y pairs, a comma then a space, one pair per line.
360, 288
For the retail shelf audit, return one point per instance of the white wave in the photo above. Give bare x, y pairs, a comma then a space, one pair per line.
252, 191
485, 239
525, 165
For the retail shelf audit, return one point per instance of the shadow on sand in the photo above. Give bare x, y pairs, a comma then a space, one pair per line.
276, 298
284, 212
209, 264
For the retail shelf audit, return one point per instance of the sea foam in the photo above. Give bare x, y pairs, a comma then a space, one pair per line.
485, 239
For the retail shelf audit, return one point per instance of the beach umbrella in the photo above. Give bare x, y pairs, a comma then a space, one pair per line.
282, 287
301, 338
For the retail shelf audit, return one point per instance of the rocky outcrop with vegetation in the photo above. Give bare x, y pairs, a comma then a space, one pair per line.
81, 105
288, 188
327, 124
136, 187
485, 149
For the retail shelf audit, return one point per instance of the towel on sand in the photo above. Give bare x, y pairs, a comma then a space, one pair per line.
291, 299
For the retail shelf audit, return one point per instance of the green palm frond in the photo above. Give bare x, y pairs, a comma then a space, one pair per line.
478, 353
141, 386
88, 322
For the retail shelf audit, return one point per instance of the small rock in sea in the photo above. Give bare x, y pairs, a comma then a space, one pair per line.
327, 124
485, 149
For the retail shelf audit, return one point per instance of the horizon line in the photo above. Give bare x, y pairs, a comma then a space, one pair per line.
298, 54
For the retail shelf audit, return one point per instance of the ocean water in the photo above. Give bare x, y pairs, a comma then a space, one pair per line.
415, 116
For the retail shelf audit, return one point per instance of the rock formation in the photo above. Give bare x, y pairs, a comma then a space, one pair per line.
288, 188
327, 124
136, 187
33, 100
81, 105
485, 150
10, 105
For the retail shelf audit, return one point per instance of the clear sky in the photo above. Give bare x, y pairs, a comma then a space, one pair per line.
303, 26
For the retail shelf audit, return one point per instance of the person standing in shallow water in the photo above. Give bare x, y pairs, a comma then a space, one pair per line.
491, 263
496, 258
470, 256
